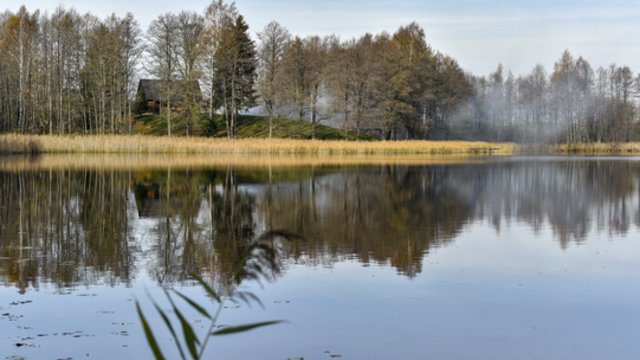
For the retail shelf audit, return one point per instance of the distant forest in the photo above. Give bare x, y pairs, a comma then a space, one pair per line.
70, 73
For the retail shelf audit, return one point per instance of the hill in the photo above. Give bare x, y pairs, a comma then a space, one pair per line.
248, 127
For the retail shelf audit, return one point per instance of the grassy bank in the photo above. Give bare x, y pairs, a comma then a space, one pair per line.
248, 126
122, 144
632, 148
148, 144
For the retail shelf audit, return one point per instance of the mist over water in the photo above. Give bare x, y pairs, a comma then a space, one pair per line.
571, 103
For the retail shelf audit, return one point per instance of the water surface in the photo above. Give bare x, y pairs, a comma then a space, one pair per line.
527, 258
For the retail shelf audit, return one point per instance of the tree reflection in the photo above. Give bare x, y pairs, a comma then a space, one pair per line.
64, 227
86, 227
385, 214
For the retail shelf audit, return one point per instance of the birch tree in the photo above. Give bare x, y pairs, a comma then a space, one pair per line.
21, 31
274, 42
162, 38
218, 17
191, 51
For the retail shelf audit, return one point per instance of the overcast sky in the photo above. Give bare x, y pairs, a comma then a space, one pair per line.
479, 34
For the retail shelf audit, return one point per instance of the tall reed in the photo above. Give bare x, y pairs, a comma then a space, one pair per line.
198, 145
17, 144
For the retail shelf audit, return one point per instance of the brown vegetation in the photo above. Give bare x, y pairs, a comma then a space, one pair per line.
16, 144
197, 145
631, 148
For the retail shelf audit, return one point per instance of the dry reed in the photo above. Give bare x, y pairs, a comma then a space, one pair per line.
138, 144
631, 148
17, 144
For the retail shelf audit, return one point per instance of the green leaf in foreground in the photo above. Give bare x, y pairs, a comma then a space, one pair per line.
167, 322
189, 335
149, 334
207, 287
193, 304
242, 328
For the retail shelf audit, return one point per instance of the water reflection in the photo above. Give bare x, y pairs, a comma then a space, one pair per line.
73, 227
65, 227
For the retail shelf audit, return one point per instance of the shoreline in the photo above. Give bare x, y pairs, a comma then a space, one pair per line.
143, 144
14, 144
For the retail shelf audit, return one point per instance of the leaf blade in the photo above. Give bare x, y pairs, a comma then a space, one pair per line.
193, 304
190, 337
167, 322
243, 328
207, 287
155, 348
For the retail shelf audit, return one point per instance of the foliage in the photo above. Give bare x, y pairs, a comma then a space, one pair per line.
247, 126
183, 124
257, 127
235, 63
572, 104
257, 261
67, 73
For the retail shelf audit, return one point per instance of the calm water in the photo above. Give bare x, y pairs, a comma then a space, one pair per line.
525, 258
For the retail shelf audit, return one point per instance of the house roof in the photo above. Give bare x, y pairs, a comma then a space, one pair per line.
155, 89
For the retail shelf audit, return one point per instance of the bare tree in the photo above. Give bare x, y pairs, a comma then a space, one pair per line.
218, 16
191, 51
316, 56
275, 40
304, 67
163, 56
21, 31
67, 72
295, 78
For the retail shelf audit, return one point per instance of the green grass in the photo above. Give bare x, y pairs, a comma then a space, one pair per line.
156, 125
247, 127
258, 127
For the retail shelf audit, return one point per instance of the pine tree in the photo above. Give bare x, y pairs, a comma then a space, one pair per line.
236, 64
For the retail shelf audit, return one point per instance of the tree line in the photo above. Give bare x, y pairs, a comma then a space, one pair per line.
575, 103
65, 72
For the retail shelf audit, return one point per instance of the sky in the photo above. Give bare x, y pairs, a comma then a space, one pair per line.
480, 34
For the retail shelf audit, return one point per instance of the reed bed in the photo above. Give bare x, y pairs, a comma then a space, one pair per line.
631, 148
139, 144
18, 144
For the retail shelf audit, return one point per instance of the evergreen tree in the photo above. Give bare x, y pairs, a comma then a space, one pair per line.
236, 64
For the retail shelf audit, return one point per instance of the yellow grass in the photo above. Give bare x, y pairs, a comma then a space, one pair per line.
17, 144
632, 148
122, 144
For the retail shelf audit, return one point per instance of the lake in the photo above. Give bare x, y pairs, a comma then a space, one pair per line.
486, 258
